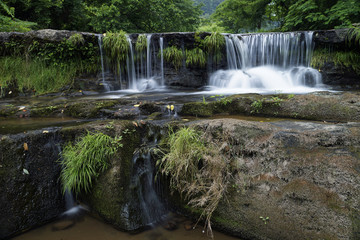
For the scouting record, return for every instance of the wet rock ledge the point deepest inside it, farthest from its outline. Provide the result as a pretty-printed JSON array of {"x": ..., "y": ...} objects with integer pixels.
[{"x": 303, "y": 176}]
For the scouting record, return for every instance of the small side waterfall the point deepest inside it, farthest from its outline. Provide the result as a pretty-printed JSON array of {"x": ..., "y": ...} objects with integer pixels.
[
  {"x": 162, "y": 60},
  {"x": 106, "y": 86},
  {"x": 268, "y": 62},
  {"x": 142, "y": 69},
  {"x": 142, "y": 182}
]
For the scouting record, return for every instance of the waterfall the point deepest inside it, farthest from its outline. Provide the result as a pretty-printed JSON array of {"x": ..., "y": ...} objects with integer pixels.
[
  {"x": 268, "y": 62},
  {"x": 106, "y": 86},
  {"x": 162, "y": 60},
  {"x": 144, "y": 189},
  {"x": 148, "y": 57}
]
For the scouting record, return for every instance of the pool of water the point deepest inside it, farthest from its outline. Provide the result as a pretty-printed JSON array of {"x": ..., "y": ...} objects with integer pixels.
[
  {"x": 90, "y": 228},
  {"x": 18, "y": 125}
]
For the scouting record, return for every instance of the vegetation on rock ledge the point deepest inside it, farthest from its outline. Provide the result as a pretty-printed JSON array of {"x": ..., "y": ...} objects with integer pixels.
[
  {"x": 197, "y": 169},
  {"x": 85, "y": 160}
]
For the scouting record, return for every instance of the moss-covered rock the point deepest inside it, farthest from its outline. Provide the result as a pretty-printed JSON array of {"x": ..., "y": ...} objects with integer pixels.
[
  {"x": 322, "y": 106},
  {"x": 290, "y": 180}
]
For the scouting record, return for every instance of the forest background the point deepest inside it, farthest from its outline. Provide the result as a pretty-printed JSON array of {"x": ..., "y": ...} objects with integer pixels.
[{"x": 140, "y": 16}]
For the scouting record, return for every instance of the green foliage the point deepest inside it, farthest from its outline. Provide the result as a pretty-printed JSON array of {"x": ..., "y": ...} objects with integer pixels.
[
  {"x": 257, "y": 105},
  {"x": 214, "y": 44},
  {"x": 353, "y": 37},
  {"x": 141, "y": 43},
  {"x": 8, "y": 24},
  {"x": 116, "y": 46},
  {"x": 342, "y": 59},
  {"x": 83, "y": 161},
  {"x": 9, "y": 11},
  {"x": 76, "y": 39},
  {"x": 241, "y": 15},
  {"x": 195, "y": 57},
  {"x": 144, "y": 15},
  {"x": 34, "y": 76},
  {"x": 54, "y": 14},
  {"x": 276, "y": 100},
  {"x": 208, "y": 6},
  {"x": 174, "y": 55},
  {"x": 321, "y": 14},
  {"x": 207, "y": 25},
  {"x": 196, "y": 169}
]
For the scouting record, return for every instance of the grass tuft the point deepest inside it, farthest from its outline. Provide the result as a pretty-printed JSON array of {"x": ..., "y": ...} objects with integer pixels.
[
  {"x": 76, "y": 39},
  {"x": 213, "y": 44},
  {"x": 342, "y": 59},
  {"x": 195, "y": 57},
  {"x": 141, "y": 43},
  {"x": 34, "y": 75},
  {"x": 83, "y": 161},
  {"x": 174, "y": 55},
  {"x": 196, "y": 169},
  {"x": 116, "y": 46}
]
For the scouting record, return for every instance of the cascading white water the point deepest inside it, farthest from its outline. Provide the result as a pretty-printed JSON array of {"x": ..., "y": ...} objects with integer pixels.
[
  {"x": 268, "y": 62},
  {"x": 106, "y": 86},
  {"x": 162, "y": 60}
]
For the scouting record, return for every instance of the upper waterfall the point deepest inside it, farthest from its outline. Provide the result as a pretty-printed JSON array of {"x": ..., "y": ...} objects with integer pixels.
[{"x": 268, "y": 62}]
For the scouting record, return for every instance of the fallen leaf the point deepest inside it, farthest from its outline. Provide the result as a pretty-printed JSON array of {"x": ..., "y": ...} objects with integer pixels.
[
  {"x": 21, "y": 108},
  {"x": 172, "y": 107},
  {"x": 25, "y": 171},
  {"x": 135, "y": 124},
  {"x": 45, "y": 131},
  {"x": 26, "y": 147},
  {"x": 136, "y": 105}
]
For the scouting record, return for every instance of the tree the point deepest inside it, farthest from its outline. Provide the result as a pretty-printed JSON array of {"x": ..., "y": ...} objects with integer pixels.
[
  {"x": 145, "y": 15},
  {"x": 8, "y": 22},
  {"x": 208, "y": 6},
  {"x": 321, "y": 14},
  {"x": 241, "y": 15}
]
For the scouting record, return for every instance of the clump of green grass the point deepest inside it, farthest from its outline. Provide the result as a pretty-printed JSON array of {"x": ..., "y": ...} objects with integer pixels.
[
  {"x": 174, "y": 55},
  {"x": 141, "y": 43},
  {"x": 342, "y": 59},
  {"x": 196, "y": 169},
  {"x": 34, "y": 75},
  {"x": 195, "y": 57},
  {"x": 83, "y": 161},
  {"x": 353, "y": 37},
  {"x": 116, "y": 45},
  {"x": 213, "y": 44},
  {"x": 76, "y": 39}
]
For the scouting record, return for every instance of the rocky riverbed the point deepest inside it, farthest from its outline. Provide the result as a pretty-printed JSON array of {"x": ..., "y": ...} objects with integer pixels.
[{"x": 302, "y": 177}]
